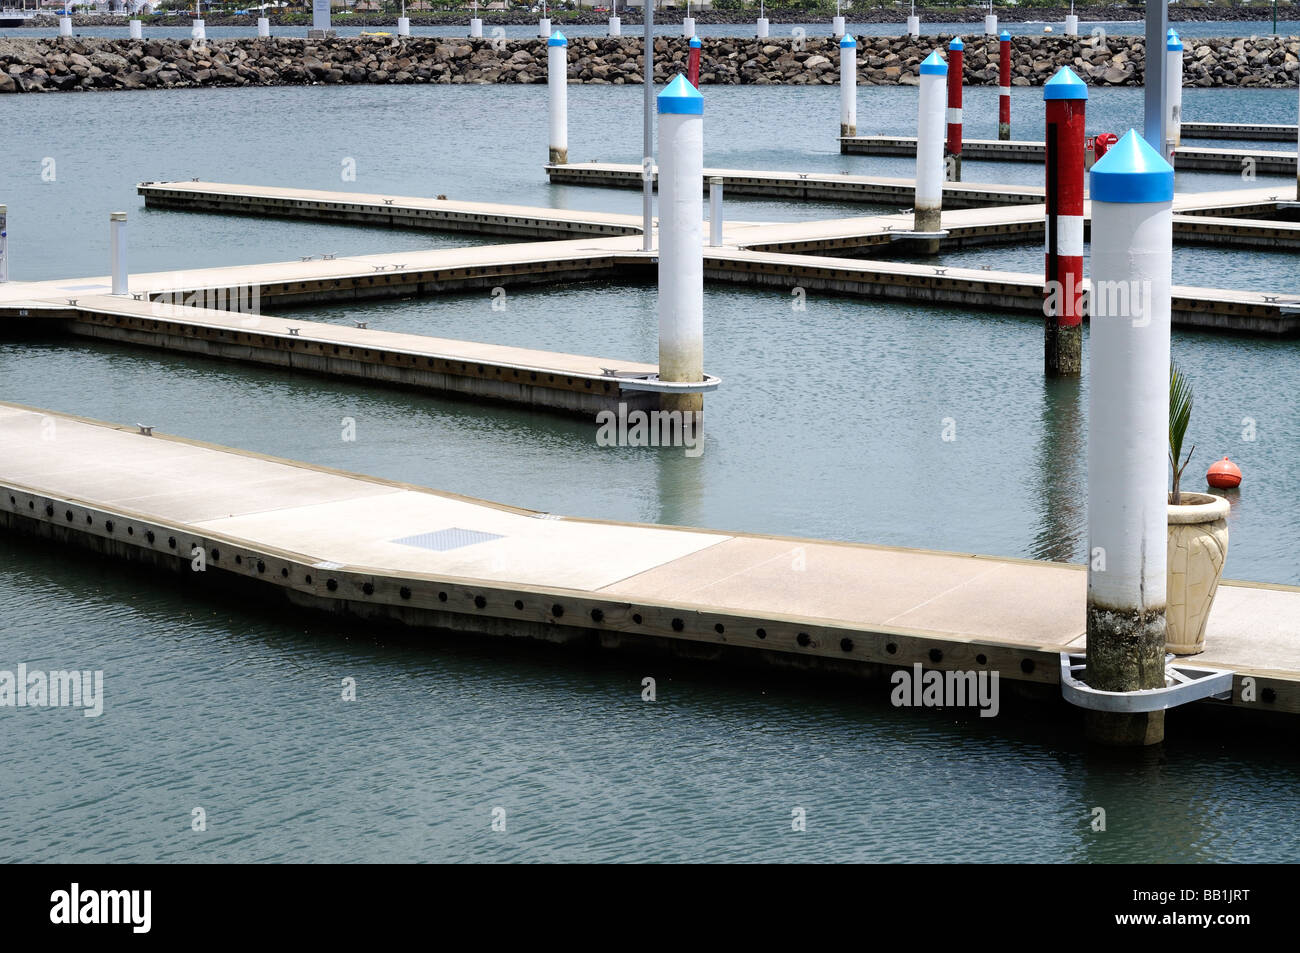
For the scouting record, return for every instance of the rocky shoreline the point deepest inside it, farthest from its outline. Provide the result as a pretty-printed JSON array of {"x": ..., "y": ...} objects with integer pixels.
[
  {"x": 82, "y": 64},
  {"x": 740, "y": 18}
]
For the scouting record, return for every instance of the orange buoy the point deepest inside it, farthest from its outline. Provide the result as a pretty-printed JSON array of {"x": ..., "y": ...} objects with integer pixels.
[{"x": 1223, "y": 474}]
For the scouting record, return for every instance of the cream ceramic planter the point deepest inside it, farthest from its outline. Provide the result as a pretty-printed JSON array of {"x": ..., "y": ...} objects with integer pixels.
[{"x": 1198, "y": 545}]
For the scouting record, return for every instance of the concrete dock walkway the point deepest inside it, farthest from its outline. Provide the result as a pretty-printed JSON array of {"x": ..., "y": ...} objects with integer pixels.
[{"x": 379, "y": 549}]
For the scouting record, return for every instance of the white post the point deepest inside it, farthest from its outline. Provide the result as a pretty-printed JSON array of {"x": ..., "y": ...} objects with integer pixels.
[
  {"x": 990, "y": 25},
  {"x": 1071, "y": 25},
  {"x": 1297, "y": 168},
  {"x": 4, "y": 243},
  {"x": 476, "y": 27},
  {"x": 931, "y": 113},
  {"x": 837, "y": 23},
  {"x": 681, "y": 240},
  {"x": 544, "y": 27},
  {"x": 117, "y": 250},
  {"x": 136, "y": 29},
  {"x": 762, "y": 21},
  {"x": 65, "y": 26},
  {"x": 688, "y": 23},
  {"x": 557, "y": 81},
  {"x": 403, "y": 26},
  {"x": 1174, "y": 81},
  {"x": 263, "y": 26},
  {"x": 615, "y": 26},
  {"x": 320, "y": 15},
  {"x": 848, "y": 87},
  {"x": 1132, "y": 189},
  {"x": 715, "y": 210},
  {"x": 913, "y": 24},
  {"x": 198, "y": 30}
]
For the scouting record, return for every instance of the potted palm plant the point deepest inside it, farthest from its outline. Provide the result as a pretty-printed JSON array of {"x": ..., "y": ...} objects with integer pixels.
[{"x": 1198, "y": 537}]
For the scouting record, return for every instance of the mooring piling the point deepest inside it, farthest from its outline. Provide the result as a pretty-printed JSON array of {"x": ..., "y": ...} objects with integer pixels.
[
  {"x": 952, "y": 149},
  {"x": 1132, "y": 189},
  {"x": 65, "y": 26},
  {"x": 715, "y": 210},
  {"x": 263, "y": 27},
  {"x": 135, "y": 29},
  {"x": 615, "y": 26},
  {"x": 693, "y": 62},
  {"x": 117, "y": 251},
  {"x": 928, "y": 203},
  {"x": 199, "y": 29},
  {"x": 4, "y": 243},
  {"x": 681, "y": 239},
  {"x": 1066, "y": 98},
  {"x": 848, "y": 86},
  {"x": 1004, "y": 86},
  {"x": 1174, "y": 96},
  {"x": 557, "y": 81}
]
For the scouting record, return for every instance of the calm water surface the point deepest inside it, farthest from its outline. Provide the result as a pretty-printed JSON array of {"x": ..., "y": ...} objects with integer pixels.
[{"x": 828, "y": 426}]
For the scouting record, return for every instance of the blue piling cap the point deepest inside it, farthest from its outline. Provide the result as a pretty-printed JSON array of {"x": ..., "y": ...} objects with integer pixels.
[
  {"x": 1065, "y": 85},
  {"x": 956, "y": 44},
  {"x": 1172, "y": 42},
  {"x": 1004, "y": 36},
  {"x": 848, "y": 40},
  {"x": 557, "y": 39},
  {"x": 1131, "y": 172},
  {"x": 933, "y": 65},
  {"x": 681, "y": 98},
  {"x": 695, "y": 43}
]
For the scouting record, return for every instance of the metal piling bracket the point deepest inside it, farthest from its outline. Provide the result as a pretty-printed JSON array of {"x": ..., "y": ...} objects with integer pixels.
[{"x": 1183, "y": 684}]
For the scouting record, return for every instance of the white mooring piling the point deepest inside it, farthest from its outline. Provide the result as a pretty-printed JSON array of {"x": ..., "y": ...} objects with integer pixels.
[
  {"x": 688, "y": 27},
  {"x": 557, "y": 82},
  {"x": 1071, "y": 25},
  {"x": 544, "y": 27},
  {"x": 615, "y": 26},
  {"x": 761, "y": 26},
  {"x": 715, "y": 210},
  {"x": 1132, "y": 189},
  {"x": 476, "y": 28},
  {"x": 198, "y": 30},
  {"x": 681, "y": 240},
  {"x": 263, "y": 27},
  {"x": 135, "y": 29},
  {"x": 65, "y": 26},
  {"x": 931, "y": 112},
  {"x": 320, "y": 17},
  {"x": 403, "y": 26},
  {"x": 117, "y": 251},
  {"x": 848, "y": 86},
  {"x": 1174, "y": 87},
  {"x": 990, "y": 25},
  {"x": 913, "y": 23},
  {"x": 837, "y": 22}
]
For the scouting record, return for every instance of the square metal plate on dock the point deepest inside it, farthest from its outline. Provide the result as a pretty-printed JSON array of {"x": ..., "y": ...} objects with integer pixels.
[{"x": 445, "y": 539}]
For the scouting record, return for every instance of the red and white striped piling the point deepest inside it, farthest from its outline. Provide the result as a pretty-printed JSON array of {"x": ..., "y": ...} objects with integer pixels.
[
  {"x": 693, "y": 62},
  {"x": 1065, "y": 96},
  {"x": 1004, "y": 85},
  {"x": 952, "y": 149}
]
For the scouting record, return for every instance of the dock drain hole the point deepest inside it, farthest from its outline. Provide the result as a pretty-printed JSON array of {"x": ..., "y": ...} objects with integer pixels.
[
  {"x": 284, "y": 573},
  {"x": 1027, "y": 665},
  {"x": 636, "y": 617},
  {"x": 239, "y": 560},
  {"x": 307, "y": 579},
  {"x": 171, "y": 542},
  {"x": 719, "y": 628},
  {"x": 109, "y": 526},
  {"x": 330, "y": 584},
  {"x": 846, "y": 645},
  {"x": 678, "y": 625},
  {"x": 368, "y": 588},
  {"x": 804, "y": 640},
  {"x": 597, "y": 615},
  {"x": 892, "y": 648},
  {"x": 982, "y": 659},
  {"x": 261, "y": 566},
  {"x": 49, "y": 509},
  {"x": 149, "y": 536},
  {"x": 130, "y": 531},
  {"x": 1268, "y": 695},
  {"x": 90, "y": 520},
  {"x": 761, "y": 633},
  {"x": 936, "y": 655},
  {"x": 519, "y": 604},
  {"x": 68, "y": 516},
  {"x": 404, "y": 592},
  {"x": 13, "y": 501},
  {"x": 442, "y": 597},
  {"x": 557, "y": 610},
  {"x": 480, "y": 602}
]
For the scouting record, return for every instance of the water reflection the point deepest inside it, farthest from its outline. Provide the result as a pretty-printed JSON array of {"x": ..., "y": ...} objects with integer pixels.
[{"x": 1062, "y": 490}]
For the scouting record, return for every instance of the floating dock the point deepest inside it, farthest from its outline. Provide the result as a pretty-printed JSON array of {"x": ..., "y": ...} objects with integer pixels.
[
  {"x": 805, "y": 186},
  {"x": 378, "y": 549},
  {"x": 1261, "y": 132},
  {"x": 1262, "y": 161}
]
